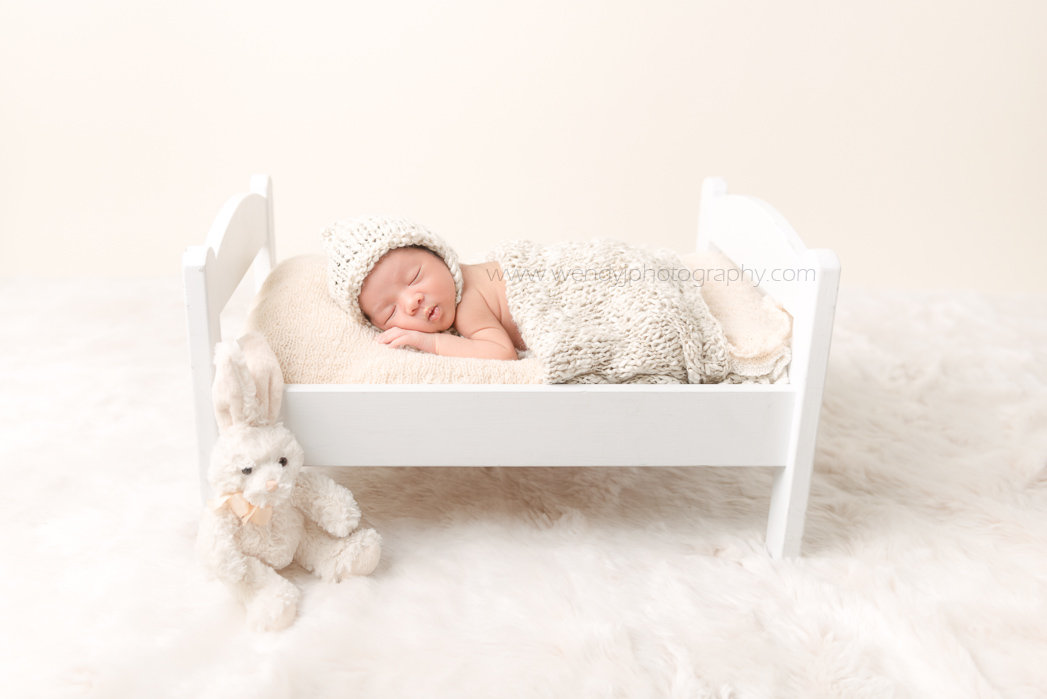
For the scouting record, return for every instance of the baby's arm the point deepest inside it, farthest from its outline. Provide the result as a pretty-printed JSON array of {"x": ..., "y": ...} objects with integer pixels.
[{"x": 482, "y": 336}]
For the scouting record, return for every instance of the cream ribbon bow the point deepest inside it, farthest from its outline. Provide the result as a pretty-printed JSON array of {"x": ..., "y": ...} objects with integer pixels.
[{"x": 255, "y": 514}]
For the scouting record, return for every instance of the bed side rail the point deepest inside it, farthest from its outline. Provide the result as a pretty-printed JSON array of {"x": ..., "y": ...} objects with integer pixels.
[{"x": 240, "y": 238}]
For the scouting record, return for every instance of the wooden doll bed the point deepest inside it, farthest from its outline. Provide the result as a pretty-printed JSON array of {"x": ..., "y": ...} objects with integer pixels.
[{"x": 555, "y": 425}]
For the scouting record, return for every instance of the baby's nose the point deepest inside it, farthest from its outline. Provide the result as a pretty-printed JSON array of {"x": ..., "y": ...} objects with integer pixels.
[{"x": 414, "y": 302}]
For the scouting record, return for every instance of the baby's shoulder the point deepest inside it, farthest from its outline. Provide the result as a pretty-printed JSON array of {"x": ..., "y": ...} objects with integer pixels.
[
  {"x": 481, "y": 281},
  {"x": 481, "y": 274},
  {"x": 479, "y": 291}
]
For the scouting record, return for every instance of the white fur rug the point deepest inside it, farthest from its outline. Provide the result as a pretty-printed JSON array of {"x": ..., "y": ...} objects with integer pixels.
[{"x": 925, "y": 572}]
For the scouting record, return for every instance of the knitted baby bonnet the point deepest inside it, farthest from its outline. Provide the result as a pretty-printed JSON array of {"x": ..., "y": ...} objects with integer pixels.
[{"x": 354, "y": 246}]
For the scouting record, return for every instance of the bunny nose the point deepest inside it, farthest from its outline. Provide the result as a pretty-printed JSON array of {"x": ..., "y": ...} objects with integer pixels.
[{"x": 271, "y": 485}]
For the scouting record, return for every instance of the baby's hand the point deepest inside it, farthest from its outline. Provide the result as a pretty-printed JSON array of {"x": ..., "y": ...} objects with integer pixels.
[{"x": 398, "y": 337}]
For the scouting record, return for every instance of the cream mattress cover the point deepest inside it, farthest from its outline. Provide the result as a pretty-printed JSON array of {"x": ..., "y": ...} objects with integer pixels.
[{"x": 316, "y": 342}]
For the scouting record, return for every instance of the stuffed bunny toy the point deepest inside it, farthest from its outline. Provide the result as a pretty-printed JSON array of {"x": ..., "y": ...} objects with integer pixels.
[{"x": 268, "y": 511}]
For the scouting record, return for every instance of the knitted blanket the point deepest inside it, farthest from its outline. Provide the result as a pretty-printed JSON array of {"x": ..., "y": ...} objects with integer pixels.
[{"x": 606, "y": 312}]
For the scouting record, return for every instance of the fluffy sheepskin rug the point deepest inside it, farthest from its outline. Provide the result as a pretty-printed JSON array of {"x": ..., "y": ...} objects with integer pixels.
[{"x": 924, "y": 575}]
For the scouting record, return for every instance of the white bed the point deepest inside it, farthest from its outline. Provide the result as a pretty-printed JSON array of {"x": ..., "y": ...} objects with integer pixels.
[{"x": 563, "y": 425}]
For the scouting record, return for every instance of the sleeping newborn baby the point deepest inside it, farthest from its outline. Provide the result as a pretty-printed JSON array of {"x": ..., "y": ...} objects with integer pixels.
[
  {"x": 413, "y": 289},
  {"x": 410, "y": 295},
  {"x": 599, "y": 311}
]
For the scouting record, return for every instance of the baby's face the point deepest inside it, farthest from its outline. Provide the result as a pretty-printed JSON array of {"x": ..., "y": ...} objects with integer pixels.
[{"x": 409, "y": 288}]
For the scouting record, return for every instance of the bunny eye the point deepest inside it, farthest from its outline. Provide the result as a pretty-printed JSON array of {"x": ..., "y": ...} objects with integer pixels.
[
  {"x": 246, "y": 471},
  {"x": 283, "y": 460}
]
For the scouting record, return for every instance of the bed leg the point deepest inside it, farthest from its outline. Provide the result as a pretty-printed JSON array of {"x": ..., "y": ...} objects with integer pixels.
[
  {"x": 812, "y": 336},
  {"x": 792, "y": 483},
  {"x": 788, "y": 509}
]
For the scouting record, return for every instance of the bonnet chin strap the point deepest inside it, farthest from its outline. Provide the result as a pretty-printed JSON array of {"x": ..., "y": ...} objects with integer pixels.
[{"x": 255, "y": 514}]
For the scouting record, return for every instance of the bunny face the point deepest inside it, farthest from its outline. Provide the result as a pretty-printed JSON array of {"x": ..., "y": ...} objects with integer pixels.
[{"x": 261, "y": 461}]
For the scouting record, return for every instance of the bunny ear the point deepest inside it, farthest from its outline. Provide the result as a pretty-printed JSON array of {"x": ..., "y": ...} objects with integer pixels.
[
  {"x": 248, "y": 384},
  {"x": 233, "y": 392},
  {"x": 268, "y": 379}
]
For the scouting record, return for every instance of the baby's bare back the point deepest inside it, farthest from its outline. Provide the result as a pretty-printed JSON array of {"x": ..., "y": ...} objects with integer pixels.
[{"x": 483, "y": 291}]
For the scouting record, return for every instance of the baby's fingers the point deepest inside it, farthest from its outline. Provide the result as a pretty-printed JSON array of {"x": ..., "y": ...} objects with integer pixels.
[
  {"x": 404, "y": 340},
  {"x": 391, "y": 334}
]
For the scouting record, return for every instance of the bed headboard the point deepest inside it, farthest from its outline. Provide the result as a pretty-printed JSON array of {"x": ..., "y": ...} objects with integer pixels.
[{"x": 241, "y": 238}]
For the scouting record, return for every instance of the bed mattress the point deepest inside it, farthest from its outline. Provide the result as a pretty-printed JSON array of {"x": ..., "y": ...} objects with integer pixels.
[{"x": 316, "y": 342}]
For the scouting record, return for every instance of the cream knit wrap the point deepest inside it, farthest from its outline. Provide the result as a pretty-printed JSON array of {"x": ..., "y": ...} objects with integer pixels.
[{"x": 606, "y": 312}]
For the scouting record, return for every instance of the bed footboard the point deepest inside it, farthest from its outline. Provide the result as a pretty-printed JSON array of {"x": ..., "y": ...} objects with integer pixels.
[{"x": 805, "y": 281}]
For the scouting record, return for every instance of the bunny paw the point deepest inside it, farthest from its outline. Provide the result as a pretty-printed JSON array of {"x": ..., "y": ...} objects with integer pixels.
[
  {"x": 360, "y": 555},
  {"x": 274, "y": 607}
]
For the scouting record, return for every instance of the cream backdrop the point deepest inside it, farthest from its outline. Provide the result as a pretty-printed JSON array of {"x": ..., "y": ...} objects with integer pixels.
[{"x": 906, "y": 134}]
